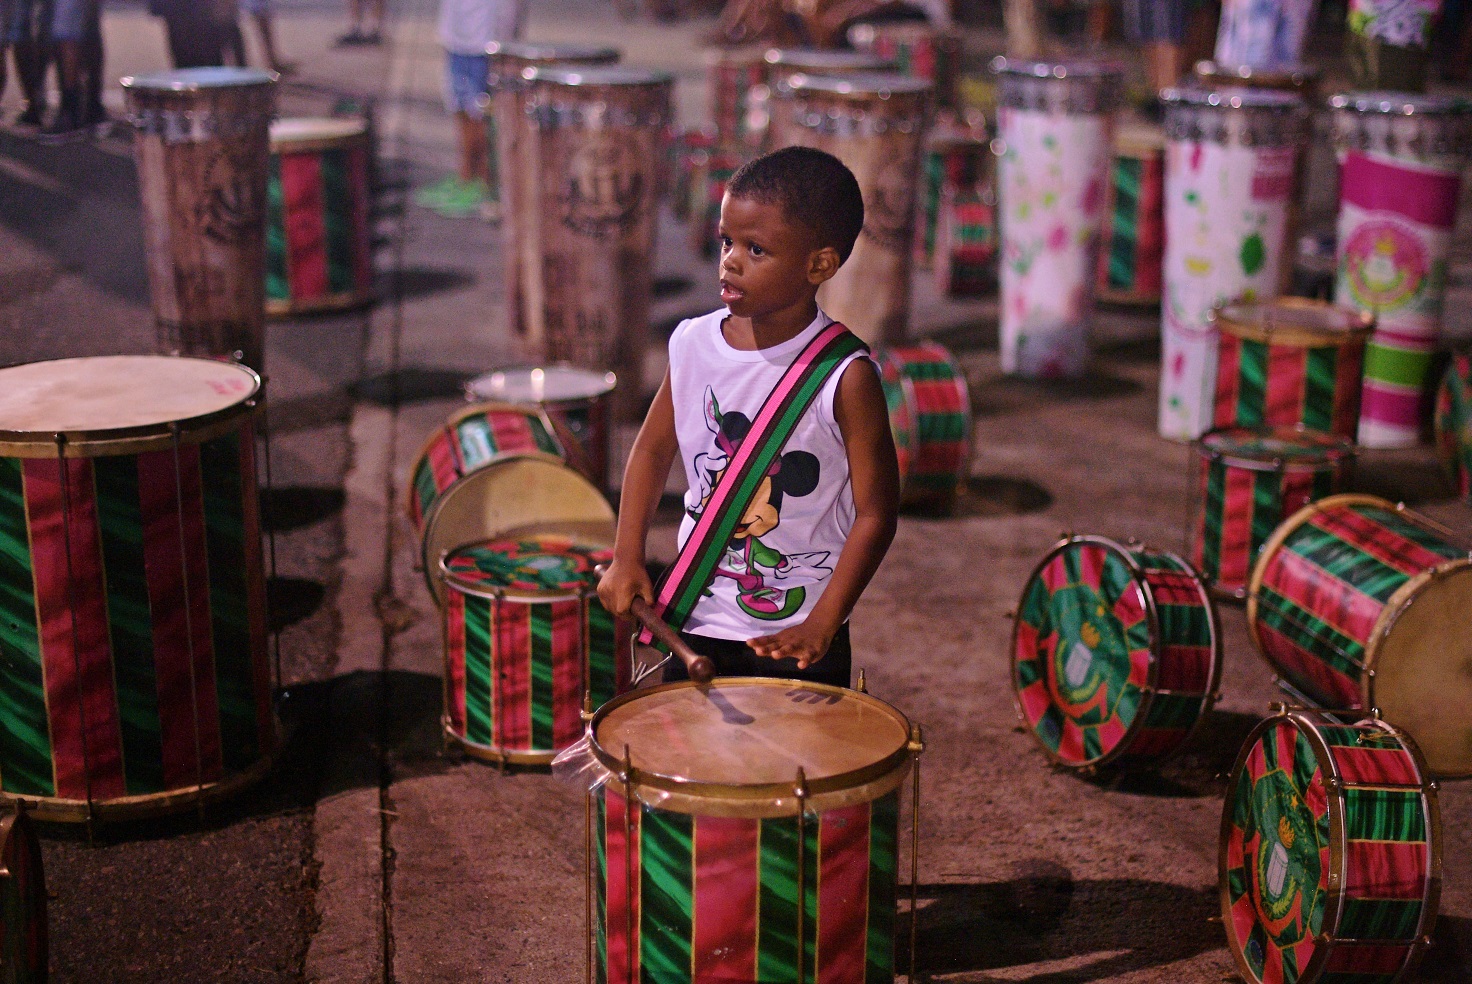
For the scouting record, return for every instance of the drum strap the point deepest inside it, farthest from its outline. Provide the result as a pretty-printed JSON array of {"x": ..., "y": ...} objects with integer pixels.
[{"x": 684, "y": 581}]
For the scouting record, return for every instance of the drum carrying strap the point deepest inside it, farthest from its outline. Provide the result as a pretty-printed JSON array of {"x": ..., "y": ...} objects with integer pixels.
[{"x": 686, "y": 579}]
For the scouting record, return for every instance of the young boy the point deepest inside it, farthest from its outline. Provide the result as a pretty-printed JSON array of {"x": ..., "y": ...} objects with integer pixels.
[{"x": 824, "y": 513}]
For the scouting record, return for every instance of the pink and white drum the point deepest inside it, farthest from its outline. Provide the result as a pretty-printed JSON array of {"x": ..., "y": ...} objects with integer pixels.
[
  {"x": 1229, "y": 179},
  {"x": 1055, "y": 128}
]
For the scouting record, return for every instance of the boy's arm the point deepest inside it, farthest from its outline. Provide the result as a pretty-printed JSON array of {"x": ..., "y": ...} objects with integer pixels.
[
  {"x": 863, "y": 419},
  {"x": 650, "y": 458}
]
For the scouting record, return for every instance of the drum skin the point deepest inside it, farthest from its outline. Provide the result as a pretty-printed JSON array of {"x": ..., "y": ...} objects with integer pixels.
[
  {"x": 1330, "y": 860},
  {"x": 526, "y": 640},
  {"x": 1116, "y": 653},
  {"x": 24, "y": 947},
  {"x": 135, "y": 676},
  {"x": 319, "y": 246},
  {"x": 930, "y": 417},
  {"x": 1454, "y": 423},
  {"x": 1353, "y": 584}
]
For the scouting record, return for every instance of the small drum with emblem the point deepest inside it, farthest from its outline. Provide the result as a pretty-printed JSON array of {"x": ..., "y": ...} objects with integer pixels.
[
  {"x": 876, "y": 125},
  {"x": 1133, "y": 233},
  {"x": 1290, "y": 361},
  {"x": 930, "y": 417},
  {"x": 1330, "y": 860},
  {"x": 132, "y": 587},
  {"x": 1116, "y": 653},
  {"x": 1454, "y": 423},
  {"x": 319, "y": 234},
  {"x": 1247, "y": 481},
  {"x": 576, "y": 401},
  {"x": 1359, "y": 604},
  {"x": 527, "y": 643},
  {"x": 746, "y": 832},
  {"x": 24, "y": 944}
]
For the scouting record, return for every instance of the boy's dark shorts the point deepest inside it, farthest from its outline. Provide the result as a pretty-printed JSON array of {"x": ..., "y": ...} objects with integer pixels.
[{"x": 735, "y": 658}]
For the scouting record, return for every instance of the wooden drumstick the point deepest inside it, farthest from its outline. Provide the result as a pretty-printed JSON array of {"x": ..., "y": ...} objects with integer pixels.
[{"x": 700, "y": 668}]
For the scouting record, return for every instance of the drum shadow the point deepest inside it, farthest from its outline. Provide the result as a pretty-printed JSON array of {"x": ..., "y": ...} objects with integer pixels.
[
  {"x": 308, "y": 412},
  {"x": 990, "y": 496},
  {"x": 291, "y": 507},
  {"x": 1043, "y": 915},
  {"x": 416, "y": 282},
  {"x": 412, "y": 385},
  {"x": 1131, "y": 350},
  {"x": 1198, "y": 770},
  {"x": 290, "y": 600},
  {"x": 1004, "y": 394},
  {"x": 978, "y": 335},
  {"x": 1450, "y": 958},
  {"x": 1401, "y": 477}
]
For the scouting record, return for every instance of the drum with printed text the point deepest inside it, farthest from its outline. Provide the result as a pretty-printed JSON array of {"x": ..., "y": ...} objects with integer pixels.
[
  {"x": 1116, "y": 653},
  {"x": 930, "y": 417}
]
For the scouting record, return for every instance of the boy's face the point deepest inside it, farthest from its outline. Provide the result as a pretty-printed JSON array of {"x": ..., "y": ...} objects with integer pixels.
[{"x": 769, "y": 265}]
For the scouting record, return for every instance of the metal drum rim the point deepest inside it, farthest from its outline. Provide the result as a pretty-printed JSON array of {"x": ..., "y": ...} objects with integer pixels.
[
  {"x": 596, "y": 76},
  {"x": 860, "y": 85},
  {"x": 554, "y": 52},
  {"x": 1060, "y": 70},
  {"x": 192, "y": 80},
  {"x": 1332, "y": 453},
  {"x": 1390, "y": 102},
  {"x": 1305, "y": 336},
  {"x": 1226, "y": 98},
  {"x": 477, "y": 589}
]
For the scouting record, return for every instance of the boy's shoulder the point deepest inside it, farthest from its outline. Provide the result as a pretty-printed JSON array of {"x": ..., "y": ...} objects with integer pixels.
[{"x": 692, "y": 329}]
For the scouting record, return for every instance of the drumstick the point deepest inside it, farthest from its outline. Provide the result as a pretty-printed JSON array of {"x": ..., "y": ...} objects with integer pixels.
[{"x": 700, "y": 668}]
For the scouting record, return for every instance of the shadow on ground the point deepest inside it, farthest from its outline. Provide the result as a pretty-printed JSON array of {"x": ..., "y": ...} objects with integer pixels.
[
  {"x": 292, "y": 507},
  {"x": 415, "y": 385},
  {"x": 1450, "y": 958}
]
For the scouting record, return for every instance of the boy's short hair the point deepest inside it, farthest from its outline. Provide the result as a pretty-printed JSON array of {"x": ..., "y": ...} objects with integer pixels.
[{"x": 813, "y": 188}]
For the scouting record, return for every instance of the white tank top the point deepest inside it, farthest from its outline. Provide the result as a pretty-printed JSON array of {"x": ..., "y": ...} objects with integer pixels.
[{"x": 776, "y": 566}]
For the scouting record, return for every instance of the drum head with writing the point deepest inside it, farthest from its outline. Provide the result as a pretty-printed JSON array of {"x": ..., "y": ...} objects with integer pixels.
[{"x": 539, "y": 567}]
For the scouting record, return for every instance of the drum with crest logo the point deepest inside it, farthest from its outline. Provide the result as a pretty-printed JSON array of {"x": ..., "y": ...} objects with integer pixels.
[
  {"x": 876, "y": 125},
  {"x": 202, "y": 144}
]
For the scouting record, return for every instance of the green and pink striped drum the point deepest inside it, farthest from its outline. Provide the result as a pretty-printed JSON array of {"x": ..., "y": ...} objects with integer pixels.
[
  {"x": 24, "y": 948},
  {"x": 1250, "y": 479},
  {"x": 746, "y": 831},
  {"x": 930, "y": 417},
  {"x": 1360, "y": 604},
  {"x": 133, "y": 669},
  {"x": 526, "y": 643},
  {"x": 1116, "y": 653},
  {"x": 319, "y": 230},
  {"x": 1454, "y": 423},
  {"x": 1330, "y": 860}
]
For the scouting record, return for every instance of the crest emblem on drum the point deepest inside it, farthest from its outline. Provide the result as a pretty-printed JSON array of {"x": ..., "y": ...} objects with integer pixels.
[
  {"x": 235, "y": 201},
  {"x": 888, "y": 207},
  {"x": 603, "y": 190},
  {"x": 1385, "y": 265}
]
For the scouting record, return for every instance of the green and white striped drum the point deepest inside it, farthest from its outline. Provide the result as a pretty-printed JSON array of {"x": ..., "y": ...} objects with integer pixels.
[
  {"x": 930, "y": 417},
  {"x": 526, "y": 642},
  {"x": 1454, "y": 423},
  {"x": 746, "y": 832},
  {"x": 1248, "y": 480},
  {"x": 134, "y": 677},
  {"x": 24, "y": 948},
  {"x": 1361, "y": 604},
  {"x": 1330, "y": 862},
  {"x": 1116, "y": 653}
]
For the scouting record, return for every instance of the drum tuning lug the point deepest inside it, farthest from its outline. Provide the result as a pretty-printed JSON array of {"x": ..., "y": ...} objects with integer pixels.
[
  {"x": 1277, "y": 707},
  {"x": 800, "y": 786},
  {"x": 1434, "y": 786},
  {"x": 1213, "y": 919},
  {"x": 587, "y": 714},
  {"x": 863, "y": 685},
  {"x": 917, "y": 740}
]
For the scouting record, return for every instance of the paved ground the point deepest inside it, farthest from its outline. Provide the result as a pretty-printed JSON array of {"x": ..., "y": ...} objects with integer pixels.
[{"x": 371, "y": 856}]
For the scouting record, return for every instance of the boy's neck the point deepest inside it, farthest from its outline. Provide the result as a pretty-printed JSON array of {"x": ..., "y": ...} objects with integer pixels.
[{"x": 753, "y": 334}]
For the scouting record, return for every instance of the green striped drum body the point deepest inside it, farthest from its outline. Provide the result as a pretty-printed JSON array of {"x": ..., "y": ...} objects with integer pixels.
[
  {"x": 1116, "y": 653},
  {"x": 936, "y": 427},
  {"x": 1133, "y": 233},
  {"x": 526, "y": 642},
  {"x": 1454, "y": 423},
  {"x": 1330, "y": 852},
  {"x": 751, "y": 835},
  {"x": 24, "y": 948},
  {"x": 957, "y": 164},
  {"x": 1248, "y": 481}
]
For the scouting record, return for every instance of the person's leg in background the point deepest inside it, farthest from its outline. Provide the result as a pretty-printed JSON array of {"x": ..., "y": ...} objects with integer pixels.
[
  {"x": 30, "y": 25},
  {"x": 93, "y": 57},
  {"x": 69, "y": 20},
  {"x": 366, "y": 19},
  {"x": 466, "y": 193},
  {"x": 259, "y": 12}
]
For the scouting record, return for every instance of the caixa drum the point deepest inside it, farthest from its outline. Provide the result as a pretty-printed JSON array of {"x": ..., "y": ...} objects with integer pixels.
[
  {"x": 916, "y": 49},
  {"x": 1330, "y": 859},
  {"x": 1133, "y": 233},
  {"x": 1359, "y": 604},
  {"x": 575, "y": 400},
  {"x": 24, "y": 932},
  {"x": 739, "y": 97},
  {"x": 1116, "y": 653},
  {"x": 134, "y": 589},
  {"x": 930, "y": 417}
]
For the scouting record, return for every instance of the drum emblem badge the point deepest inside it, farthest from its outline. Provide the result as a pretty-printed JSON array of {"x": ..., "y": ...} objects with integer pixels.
[
  {"x": 1385, "y": 265},
  {"x": 603, "y": 190},
  {"x": 234, "y": 202},
  {"x": 887, "y": 218}
]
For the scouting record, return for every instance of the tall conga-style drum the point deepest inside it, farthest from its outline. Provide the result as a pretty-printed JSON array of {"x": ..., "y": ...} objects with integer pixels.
[
  {"x": 740, "y": 101},
  {"x": 1134, "y": 218},
  {"x": 1229, "y": 177},
  {"x": 202, "y": 145},
  {"x": 576, "y": 400},
  {"x": 1246, "y": 481},
  {"x": 1330, "y": 859},
  {"x": 918, "y": 49},
  {"x": 1454, "y": 423},
  {"x": 930, "y": 417},
  {"x": 319, "y": 230},
  {"x": 527, "y": 644},
  {"x": 1400, "y": 181},
  {"x": 1055, "y": 126},
  {"x": 595, "y": 154},
  {"x": 1116, "y": 653},
  {"x": 1359, "y": 604},
  {"x": 24, "y": 932},
  {"x": 876, "y": 125},
  {"x": 134, "y": 606},
  {"x": 747, "y": 831},
  {"x": 517, "y": 171},
  {"x": 1290, "y": 361}
]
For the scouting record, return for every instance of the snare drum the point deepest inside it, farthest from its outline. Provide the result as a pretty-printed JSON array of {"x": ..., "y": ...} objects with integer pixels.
[
  {"x": 1361, "y": 604},
  {"x": 876, "y": 125},
  {"x": 930, "y": 416},
  {"x": 739, "y": 97},
  {"x": 134, "y": 598},
  {"x": 1454, "y": 423},
  {"x": 966, "y": 246},
  {"x": 957, "y": 171},
  {"x": 575, "y": 400},
  {"x": 746, "y": 832},
  {"x": 24, "y": 945},
  {"x": 1229, "y": 177},
  {"x": 1246, "y": 481},
  {"x": 1330, "y": 862},
  {"x": 526, "y": 641},
  {"x": 202, "y": 144},
  {"x": 1116, "y": 653},
  {"x": 319, "y": 237},
  {"x": 916, "y": 49},
  {"x": 1290, "y": 361},
  {"x": 1054, "y": 128},
  {"x": 1134, "y": 226}
]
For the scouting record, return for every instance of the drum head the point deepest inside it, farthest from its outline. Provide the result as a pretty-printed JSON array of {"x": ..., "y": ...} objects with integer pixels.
[
  {"x": 866, "y": 85},
  {"x": 117, "y": 395},
  {"x": 314, "y": 129},
  {"x": 553, "y": 384},
  {"x": 826, "y": 61},
  {"x": 544, "y": 567},
  {"x": 746, "y": 738},
  {"x": 1289, "y": 449},
  {"x": 194, "y": 79},
  {"x": 513, "y": 497},
  {"x": 1294, "y": 321},
  {"x": 1423, "y": 667}
]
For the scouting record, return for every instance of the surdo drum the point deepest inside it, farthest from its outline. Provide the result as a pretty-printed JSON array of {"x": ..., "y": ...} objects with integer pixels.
[
  {"x": 575, "y": 400},
  {"x": 919, "y": 50},
  {"x": 136, "y": 673},
  {"x": 202, "y": 144}
]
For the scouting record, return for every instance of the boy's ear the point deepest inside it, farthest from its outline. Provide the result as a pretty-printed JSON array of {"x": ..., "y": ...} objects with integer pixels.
[{"x": 823, "y": 264}]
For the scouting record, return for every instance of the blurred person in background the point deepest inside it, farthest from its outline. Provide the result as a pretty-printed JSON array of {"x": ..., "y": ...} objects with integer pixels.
[
  {"x": 25, "y": 29},
  {"x": 364, "y": 12}
]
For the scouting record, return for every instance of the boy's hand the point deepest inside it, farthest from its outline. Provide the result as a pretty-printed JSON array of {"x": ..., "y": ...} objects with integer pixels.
[
  {"x": 807, "y": 643},
  {"x": 621, "y": 584}
]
